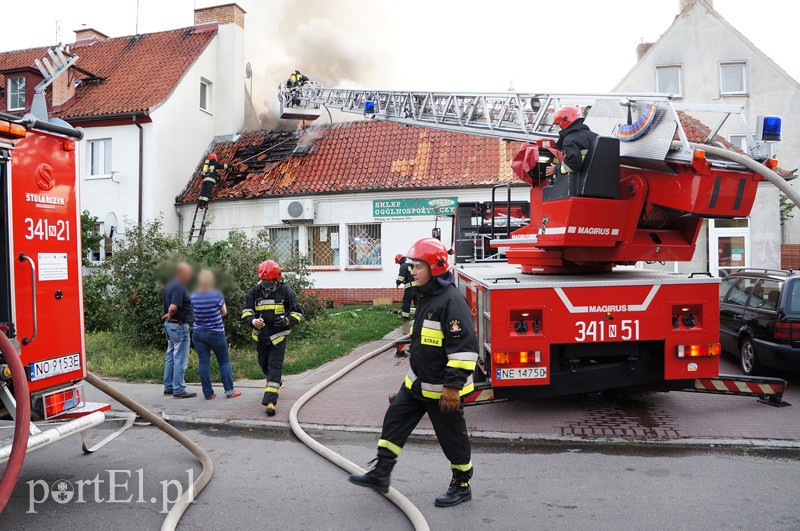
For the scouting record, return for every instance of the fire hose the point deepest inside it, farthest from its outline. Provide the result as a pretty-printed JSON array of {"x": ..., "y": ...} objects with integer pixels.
[
  {"x": 22, "y": 420},
  {"x": 174, "y": 515},
  {"x": 403, "y": 503}
]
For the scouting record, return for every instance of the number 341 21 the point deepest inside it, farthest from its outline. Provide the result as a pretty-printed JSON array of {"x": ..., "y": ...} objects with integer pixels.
[{"x": 42, "y": 229}]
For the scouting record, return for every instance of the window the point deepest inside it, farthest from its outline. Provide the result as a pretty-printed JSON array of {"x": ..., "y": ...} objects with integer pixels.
[
  {"x": 741, "y": 291},
  {"x": 724, "y": 286},
  {"x": 668, "y": 80},
  {"x": 732, "y": 79},
  {"x": 16, "y": 93},
  {"x": 740, "y": 141},
  {"x": 793, "y": 293},
  {"x": 766, "y": 295},
  {"x": 100, "y": 158},
  {"x": 284, "y": 242},
  {"x": 323, "y": 245},
  {"x": 364, "y": 244},
  {"x": 205, "y": 95},
  {"x": 104, "y": 248}
]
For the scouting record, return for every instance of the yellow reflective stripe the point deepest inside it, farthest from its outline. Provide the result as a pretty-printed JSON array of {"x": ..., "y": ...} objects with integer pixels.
[
  {"x": 467, "y": 389},
  {"x": 247, "y": 313},
  {"x": 411, "y": 329},
  {"x": 254, "y": 336},
  {"x": 271, "y": 389},
  {"x": 278, "y": 340},
  {"x": 267, "y": 307},
  {"x": 432, "y": 394},
  {"x": 389, "y": 445},
  {"x": 429, "y": 336},
  {"x": 409, "y": 382},
  {"x": 462, "y": 364},
  {"x": 462, "y": 468},
  {"x": 400, "y": 279},
  {"x": 297, "y": 315},
  {"x": 210, "y": 180}
]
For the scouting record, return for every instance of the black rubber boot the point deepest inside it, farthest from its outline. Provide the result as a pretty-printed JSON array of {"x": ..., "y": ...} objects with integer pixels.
[
  {"x": 270, "y": 409},
  {"x": 377, "y": 478},
  {"x": 459, "y": 490}
]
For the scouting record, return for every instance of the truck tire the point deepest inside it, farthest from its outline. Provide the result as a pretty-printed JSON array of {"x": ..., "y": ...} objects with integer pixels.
[{"x": 748, "y": 357}]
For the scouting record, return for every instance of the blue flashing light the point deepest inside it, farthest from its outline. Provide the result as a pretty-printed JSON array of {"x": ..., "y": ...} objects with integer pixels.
[
  {"x": 369, "y": 107},
  {"x": 769, "y": 128}
]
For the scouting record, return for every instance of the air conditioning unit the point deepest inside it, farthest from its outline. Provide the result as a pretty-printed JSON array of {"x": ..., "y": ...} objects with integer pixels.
[{"x": 296, "y": 210}]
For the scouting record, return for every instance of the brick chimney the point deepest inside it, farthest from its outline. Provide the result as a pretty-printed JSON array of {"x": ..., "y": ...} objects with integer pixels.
[
  {"x": 683, "y": 4},
  {"x": 89, "y": 34},
  {"x": 63, "y": 87},
  {"x": 223, "y": 14},
  {"x": 642, "y": 48}
]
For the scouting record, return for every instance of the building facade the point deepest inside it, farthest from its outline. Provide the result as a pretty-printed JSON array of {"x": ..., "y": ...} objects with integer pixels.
[{"x": 701, "y": 58}]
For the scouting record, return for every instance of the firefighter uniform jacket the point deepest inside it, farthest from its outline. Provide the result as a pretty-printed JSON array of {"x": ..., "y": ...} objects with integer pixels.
[
  {"x": 443, "y": 348},
  {"x": 404, "y": 276},
  {"x": 574, "y": 141},
  {"x": 210, "y": 169},
  {"x": 272, "y": 307}
]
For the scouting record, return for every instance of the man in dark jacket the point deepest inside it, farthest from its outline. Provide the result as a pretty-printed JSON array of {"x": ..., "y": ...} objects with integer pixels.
[
  {"x": 405, "y": 280},
  {"x": 211, "y": 178},
  {"x": 443, "y": 359},
  {"x": 271, "y": 311},
  {"x": 574, "y": 141}
]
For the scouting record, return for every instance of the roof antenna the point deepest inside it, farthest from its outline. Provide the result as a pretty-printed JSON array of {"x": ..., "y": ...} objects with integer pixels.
[{"x": 137, "y": 17}]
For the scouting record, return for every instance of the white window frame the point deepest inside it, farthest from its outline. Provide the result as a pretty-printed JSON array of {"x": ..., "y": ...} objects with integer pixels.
[
  {"x": 108, "y": 170},
  {"x": 715, "y": 233},
  {"x": 739, "y": 140},
  {"x": 680, "y": 78},
  {"x": 744, "y": 92},
  {"x": 366, "y": 267},
  {"x": 101, "y": 247},
  {"x": 337, "y": 251},
  {"x": 24, "y": 94},
  {"x": 209, "y": 86}
]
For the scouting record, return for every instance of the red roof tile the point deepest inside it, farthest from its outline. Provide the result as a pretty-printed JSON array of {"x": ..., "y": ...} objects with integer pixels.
[{"x": 138, "y": 72}]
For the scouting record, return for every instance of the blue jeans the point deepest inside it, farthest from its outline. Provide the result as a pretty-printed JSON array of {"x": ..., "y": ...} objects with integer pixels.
[
  {"x": 177, "y": 357},
  {"x": 204, "y": 342}
]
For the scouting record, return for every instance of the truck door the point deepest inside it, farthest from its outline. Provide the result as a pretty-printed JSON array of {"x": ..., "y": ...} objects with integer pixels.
[
  {"x": 6, "y": 321},
  {"x": 45, "y": 253}
]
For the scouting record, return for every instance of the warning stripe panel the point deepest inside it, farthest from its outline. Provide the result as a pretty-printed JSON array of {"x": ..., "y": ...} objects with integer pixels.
[{"x": 738, "y": 386}]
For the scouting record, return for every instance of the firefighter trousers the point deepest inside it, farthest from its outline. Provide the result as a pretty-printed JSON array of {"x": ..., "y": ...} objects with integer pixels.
[
  {"x": 270, "y": 358},
  {"x": 205, "y": 193},
  {"x": 404, "y": 414},
  {"x": 408, "y": 299}
]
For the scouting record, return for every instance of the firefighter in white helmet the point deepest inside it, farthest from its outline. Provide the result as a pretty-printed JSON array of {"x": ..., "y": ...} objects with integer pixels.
[{"x": 443, "y": 359}]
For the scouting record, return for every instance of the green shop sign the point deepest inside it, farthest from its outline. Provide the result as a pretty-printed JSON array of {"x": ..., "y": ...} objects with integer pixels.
[{"x": 406, "y": 209}]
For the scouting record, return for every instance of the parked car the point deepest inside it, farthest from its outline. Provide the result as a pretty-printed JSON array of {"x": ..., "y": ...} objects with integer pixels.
[{"x": 760, "y": 319}]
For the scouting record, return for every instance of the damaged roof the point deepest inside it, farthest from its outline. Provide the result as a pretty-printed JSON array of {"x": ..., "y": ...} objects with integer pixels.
[
  {"x": 356, "y": 157},
  {"x": 122, "y": 75}
]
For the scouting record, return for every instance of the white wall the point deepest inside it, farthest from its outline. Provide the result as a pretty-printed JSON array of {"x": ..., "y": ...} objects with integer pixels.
[
  {"x": 341, "y": 209},
  {"x": 699, "y": 42}
]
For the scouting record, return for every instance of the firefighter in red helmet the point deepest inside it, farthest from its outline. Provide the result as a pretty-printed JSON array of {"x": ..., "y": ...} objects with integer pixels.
[
  {"x": 211, "y": 178},
  {"x": 574, "y": 141},
  {"x": 271, "y": 311},
  {"x": 406, "y": 281},
  {"x": 443, "y": 359}
]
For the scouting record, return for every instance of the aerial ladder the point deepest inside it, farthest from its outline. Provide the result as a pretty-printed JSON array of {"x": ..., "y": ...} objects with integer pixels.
[{"x": 562, "y": 317}]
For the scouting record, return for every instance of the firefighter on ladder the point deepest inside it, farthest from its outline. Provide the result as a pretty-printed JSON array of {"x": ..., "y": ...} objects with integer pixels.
[
  {"x": 406, "y": 280},
  {"x": 574, "y": 141},
  {"x": 294, "y": 83},
  {"x": 443, "y": 360},
  {"x": 271, "y": 311},
  {"x": 211, "y": 178}
]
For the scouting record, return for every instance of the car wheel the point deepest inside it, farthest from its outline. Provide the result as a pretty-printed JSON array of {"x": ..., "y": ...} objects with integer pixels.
[{"x": 748, "y": 357}]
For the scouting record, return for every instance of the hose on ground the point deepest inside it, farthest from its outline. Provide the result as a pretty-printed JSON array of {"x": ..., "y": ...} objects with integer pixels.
[
  {"x": 403, "y": 503},
  {"x": 750, "y": 164},
  {"x": 22, "y": 419},
  {"x": 174, "y": 515}
]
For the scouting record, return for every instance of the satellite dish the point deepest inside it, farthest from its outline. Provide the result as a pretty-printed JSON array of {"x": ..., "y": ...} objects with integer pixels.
[
  {"x": 248, "y": 71},
  {"x": 110, "y": 225}
]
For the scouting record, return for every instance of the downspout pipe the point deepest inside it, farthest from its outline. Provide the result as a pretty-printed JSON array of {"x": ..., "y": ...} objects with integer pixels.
[{"x": 141, "y": 167}]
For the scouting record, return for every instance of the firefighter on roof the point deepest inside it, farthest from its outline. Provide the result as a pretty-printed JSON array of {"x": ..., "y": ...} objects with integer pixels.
[
  {"x": 210, "y": 178},
  {"x": 574, "y": 141},
  {"x": 406, "y": 280},
  {"x": 271, "y": 311},
  {"x": 443, "y": 360}
]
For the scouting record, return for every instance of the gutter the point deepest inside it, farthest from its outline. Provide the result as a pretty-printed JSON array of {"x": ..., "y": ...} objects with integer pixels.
[{"x": 141, "y": 166}]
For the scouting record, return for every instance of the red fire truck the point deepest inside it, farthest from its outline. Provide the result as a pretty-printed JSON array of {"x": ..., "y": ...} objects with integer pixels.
[{"x": 569, "y": 312}]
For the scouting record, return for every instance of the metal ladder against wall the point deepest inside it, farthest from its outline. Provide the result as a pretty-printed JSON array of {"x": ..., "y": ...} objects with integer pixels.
[{"x": 200, "y": 230}]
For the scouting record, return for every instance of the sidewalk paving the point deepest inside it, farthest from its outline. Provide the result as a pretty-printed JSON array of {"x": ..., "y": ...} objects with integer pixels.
[{"x": 359, "y": 400}]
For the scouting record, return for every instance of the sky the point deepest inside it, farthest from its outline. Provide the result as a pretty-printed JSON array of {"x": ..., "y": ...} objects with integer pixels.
[{"x": 469, "y": 45}]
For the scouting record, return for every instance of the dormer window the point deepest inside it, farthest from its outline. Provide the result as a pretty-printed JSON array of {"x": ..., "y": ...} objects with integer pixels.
[{"x": 16, "y": 93}]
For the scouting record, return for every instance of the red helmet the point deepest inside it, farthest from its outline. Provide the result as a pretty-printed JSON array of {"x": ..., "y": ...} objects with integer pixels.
[
  {"x": 269, "y": 270},
  {"x": 433, "y": 252},
  {"x": 398, "y": 258},
  {"x": 566, "y": 115},
  {"x": 212, "y": 156}
]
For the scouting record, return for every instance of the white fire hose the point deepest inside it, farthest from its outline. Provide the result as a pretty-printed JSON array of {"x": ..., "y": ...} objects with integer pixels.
[{"x": 403, "y": 503}]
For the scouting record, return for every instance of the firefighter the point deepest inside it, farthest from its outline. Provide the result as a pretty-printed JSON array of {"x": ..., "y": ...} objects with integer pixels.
[
  {"x": 406, "y": 280},
  {"x": 271, "y": 311},
  {"x": 210, "y": 178},
  {"x": 294, "y": 83},
  {"x": 574, "y": 141},
  {"x": 443, "y": 359}
]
